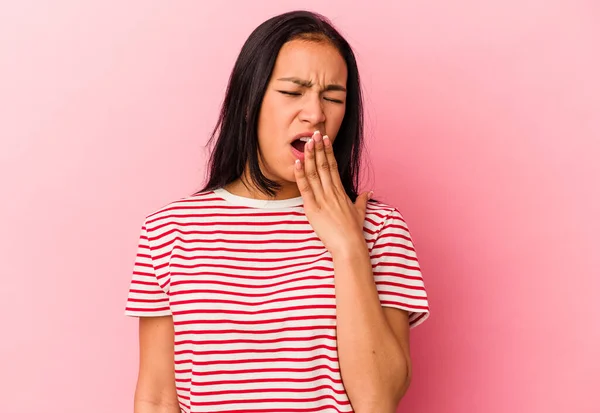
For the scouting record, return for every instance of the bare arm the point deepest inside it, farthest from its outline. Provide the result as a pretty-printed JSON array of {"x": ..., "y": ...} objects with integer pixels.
[
  {"x": 374, "y": 357},
  {"x": 155, "y": 391}
]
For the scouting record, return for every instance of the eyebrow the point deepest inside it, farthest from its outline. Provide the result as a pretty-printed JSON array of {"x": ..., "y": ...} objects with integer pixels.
[{"x": 306, "y": 83}]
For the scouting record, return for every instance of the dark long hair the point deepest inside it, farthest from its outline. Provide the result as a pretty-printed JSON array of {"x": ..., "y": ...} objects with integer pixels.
[{"x": 236, "y": 130}]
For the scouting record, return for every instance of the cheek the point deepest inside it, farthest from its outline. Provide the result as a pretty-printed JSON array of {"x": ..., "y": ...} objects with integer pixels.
[
  {"x": 265, "y": 124},
  {"x": 334, "y": 120},
  {"x": 272, "y": 134},
  {"x": 274, "y": 113}
]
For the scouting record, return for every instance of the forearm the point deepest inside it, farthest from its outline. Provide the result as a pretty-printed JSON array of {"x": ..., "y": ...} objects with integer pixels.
[
  {"x": 145, "y": 406},
  {"x": 373, "y": 365},
  {"x": 155, "y": 397}
]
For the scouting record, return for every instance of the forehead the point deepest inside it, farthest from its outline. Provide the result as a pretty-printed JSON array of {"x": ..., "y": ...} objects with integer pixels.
[{"x": 311, "y": 60}]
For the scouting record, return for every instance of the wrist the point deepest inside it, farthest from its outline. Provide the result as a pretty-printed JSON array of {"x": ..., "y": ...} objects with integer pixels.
[{"x": 352, "y": 249}]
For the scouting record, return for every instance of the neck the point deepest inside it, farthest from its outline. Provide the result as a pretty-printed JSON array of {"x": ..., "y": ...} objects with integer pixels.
[{"x": 244, "y": 187}]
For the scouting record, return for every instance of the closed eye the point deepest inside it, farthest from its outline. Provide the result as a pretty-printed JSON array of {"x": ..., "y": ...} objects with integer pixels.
[
  {"x": 289, "y": 93},
  {"x": 285, "y": 92}
]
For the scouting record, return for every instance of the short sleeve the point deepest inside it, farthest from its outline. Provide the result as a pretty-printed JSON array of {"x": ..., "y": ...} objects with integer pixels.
[
  {"x": 146, "y": 298},
  {"x": 396, "y": 270}
]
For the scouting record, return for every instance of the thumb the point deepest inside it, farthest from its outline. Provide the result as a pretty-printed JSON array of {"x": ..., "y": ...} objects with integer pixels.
[{"x": 361, "y": 202}]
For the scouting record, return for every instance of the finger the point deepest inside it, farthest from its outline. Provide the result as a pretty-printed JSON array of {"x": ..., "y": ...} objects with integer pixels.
[
  {"x": 333, "y": 166},
  {"x": 361, "y": 202},
  {"x": 322, "y": 163},
  {"x": 310, "y": 170},
  {"x": 303, "y": 185}
]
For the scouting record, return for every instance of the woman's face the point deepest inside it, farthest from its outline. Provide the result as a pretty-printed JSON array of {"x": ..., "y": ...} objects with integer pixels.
[{"x": 306, "y": 92}]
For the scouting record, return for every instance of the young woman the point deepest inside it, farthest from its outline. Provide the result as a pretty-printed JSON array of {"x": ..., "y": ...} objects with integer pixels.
[{"x": 277, "y": 287}]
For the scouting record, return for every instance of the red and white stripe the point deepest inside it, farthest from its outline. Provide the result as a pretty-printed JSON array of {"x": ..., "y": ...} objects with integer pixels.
[{"x": 252, "y": 294}]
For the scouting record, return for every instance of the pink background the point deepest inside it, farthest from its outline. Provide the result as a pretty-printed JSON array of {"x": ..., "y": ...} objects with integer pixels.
[{"x": 483, "y": 124}]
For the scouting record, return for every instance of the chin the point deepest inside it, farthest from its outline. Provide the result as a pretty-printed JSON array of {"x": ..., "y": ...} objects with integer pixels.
[{"x": 287, "y": 175}]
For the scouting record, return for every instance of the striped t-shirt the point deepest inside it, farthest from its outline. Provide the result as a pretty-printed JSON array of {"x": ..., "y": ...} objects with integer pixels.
[{"x": 251, "y": 291}]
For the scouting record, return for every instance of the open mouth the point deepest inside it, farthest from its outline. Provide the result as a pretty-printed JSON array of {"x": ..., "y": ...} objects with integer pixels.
[{"x": 299, "y": 144}]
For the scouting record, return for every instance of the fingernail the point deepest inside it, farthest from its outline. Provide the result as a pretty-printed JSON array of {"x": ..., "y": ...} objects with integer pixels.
[
  {"x": 315, "y": 132},
  {"x": 370, "y": 195}
]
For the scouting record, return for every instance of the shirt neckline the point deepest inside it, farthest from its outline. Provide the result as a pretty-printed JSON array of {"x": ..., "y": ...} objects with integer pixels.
[{"x": 258, "y": 203}]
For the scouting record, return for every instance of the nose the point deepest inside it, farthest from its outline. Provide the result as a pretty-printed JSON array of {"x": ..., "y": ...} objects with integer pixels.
[{"x": 312, "y": 112}]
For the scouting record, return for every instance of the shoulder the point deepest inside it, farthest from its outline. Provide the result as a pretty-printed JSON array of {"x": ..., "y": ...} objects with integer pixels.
[
  {"x": 183, "y": 208},
  {"x": 380, "y": 212},
  {"x": 385, "y": 220}
]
